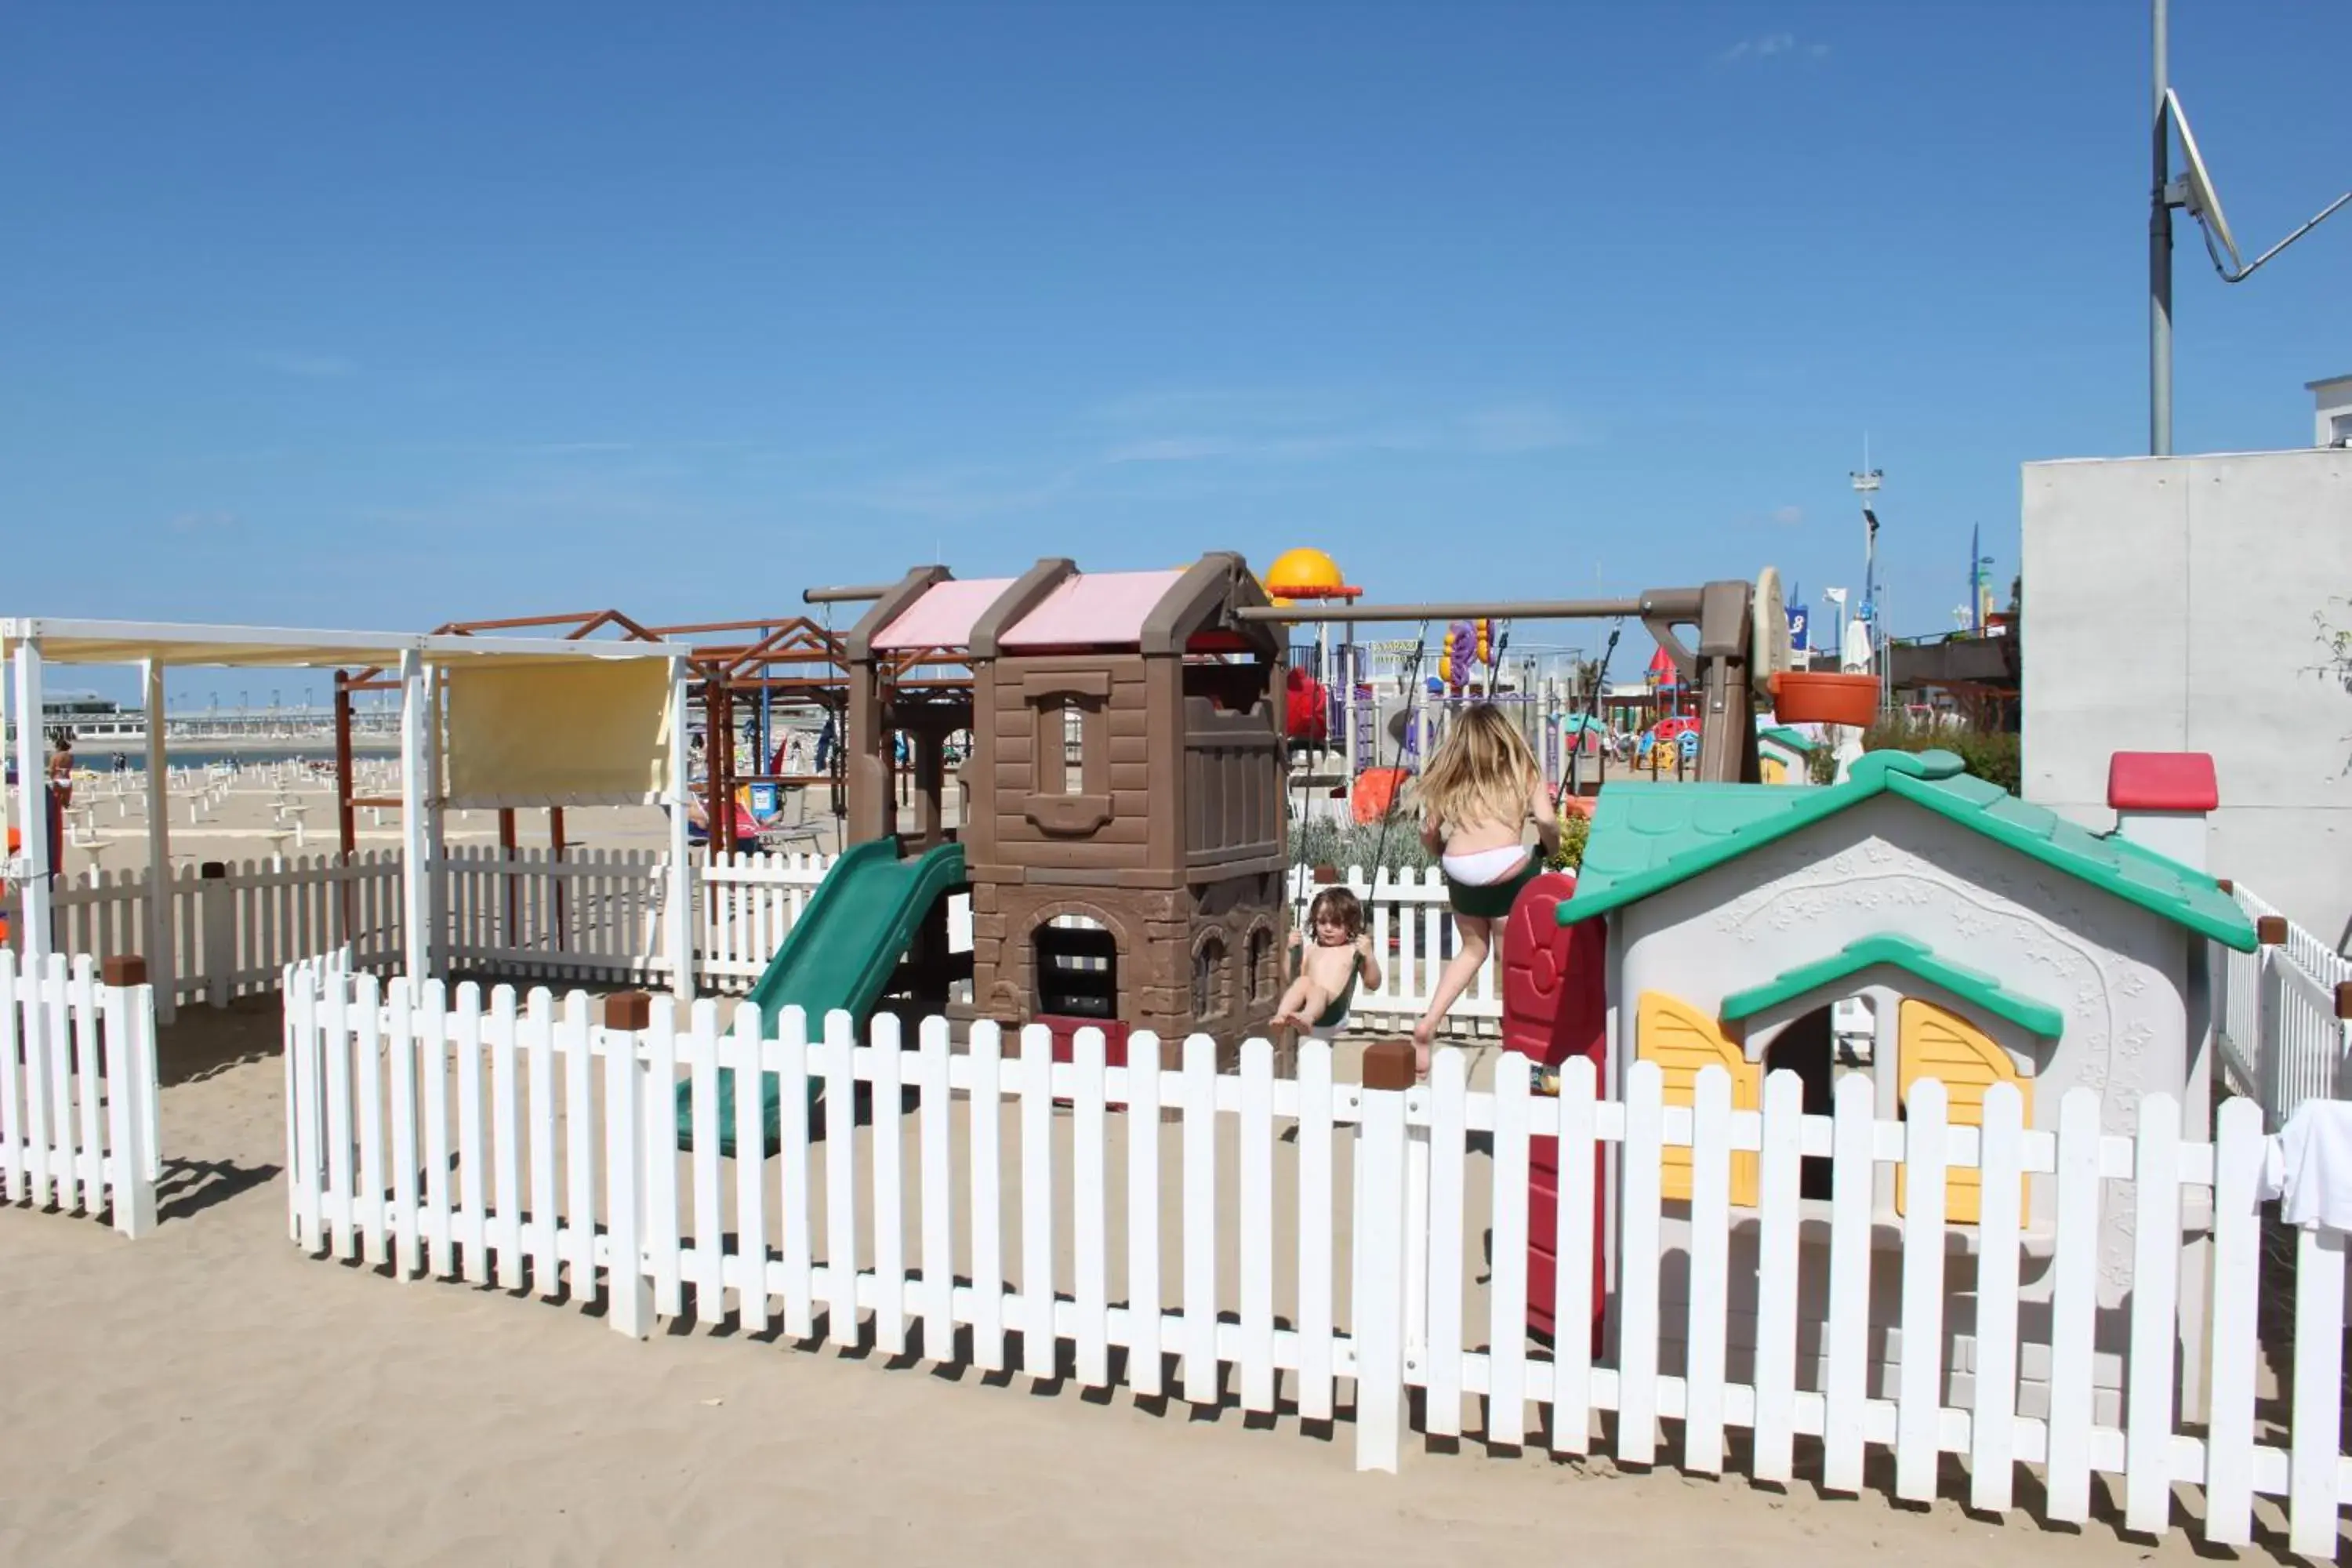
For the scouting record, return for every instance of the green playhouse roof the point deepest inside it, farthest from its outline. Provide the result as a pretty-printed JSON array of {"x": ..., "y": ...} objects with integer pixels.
[
  {"x": 1781, "y": 735},
  {"x": 1646, "y": 837}
]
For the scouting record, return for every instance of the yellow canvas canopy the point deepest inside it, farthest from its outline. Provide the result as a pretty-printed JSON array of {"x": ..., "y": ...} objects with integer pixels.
[{"x": 484, "y": 721}]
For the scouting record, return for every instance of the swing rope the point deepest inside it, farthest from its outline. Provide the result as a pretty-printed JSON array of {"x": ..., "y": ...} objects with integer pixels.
[
  {"x": 1591, "y": 707},
  {"x": 1405, "y": 715}
]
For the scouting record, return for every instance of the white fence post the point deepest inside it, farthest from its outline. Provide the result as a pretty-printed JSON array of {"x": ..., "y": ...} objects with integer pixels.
[
  {"x": 217, "y": 912},
  {"x": 1379, "y": 1289},
  {"x": 629, "y": 1296},
  {"x": 130, "y": 1166}
]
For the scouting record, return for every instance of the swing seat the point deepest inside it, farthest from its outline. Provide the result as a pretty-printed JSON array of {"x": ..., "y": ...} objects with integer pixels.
[{"x": 1334, "y": 1021}]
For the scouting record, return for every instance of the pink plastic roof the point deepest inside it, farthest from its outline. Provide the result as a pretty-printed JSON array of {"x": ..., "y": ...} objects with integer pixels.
[
  {"x": 1092, "y": 609},
  {"x": 942, "y": 618}
]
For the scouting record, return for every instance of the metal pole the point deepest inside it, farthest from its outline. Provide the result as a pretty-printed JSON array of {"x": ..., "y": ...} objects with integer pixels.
[
  {"x": 162, "y": 962},
  {"x": 416, "y": 838},
  {"x": 346, "y": 816},
  {"x": 677, "y": 919},
  {"x": 2159, "y": 258}
]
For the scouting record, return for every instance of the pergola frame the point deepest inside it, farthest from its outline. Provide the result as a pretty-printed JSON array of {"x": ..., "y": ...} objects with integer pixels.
[
  {"x": 30, "y": 644},
  {"x": 744, "y": 665}
]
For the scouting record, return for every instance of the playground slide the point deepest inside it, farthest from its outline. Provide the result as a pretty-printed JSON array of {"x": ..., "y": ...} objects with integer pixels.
[{"x": 839, "y": 954}]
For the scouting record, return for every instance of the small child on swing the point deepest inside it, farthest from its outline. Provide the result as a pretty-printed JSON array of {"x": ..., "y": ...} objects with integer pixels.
[
  {"x": 1477, "y": 793},
  {"x": 1319, "y": 999}
]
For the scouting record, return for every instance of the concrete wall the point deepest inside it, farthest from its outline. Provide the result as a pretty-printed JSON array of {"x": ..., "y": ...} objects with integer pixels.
[{"x": 2172, "y": 604}]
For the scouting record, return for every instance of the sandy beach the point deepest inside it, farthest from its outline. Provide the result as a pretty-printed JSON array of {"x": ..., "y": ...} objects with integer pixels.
[
  {"x": 211, "y": 1394},
  {"x": 288, "y": 809}
]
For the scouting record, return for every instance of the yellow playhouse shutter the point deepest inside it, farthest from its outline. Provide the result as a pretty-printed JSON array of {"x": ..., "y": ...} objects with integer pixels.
[
  {"x": 1943, "y": 1044},
  {"x": 1681, "y": 1040}
]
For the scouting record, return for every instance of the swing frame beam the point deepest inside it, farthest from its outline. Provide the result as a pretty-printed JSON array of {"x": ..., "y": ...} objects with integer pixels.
[{"x": 1719, "y": 669}]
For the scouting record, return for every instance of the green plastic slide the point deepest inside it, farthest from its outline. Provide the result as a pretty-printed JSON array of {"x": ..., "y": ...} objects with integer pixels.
[{"x": 839, "y": 956}]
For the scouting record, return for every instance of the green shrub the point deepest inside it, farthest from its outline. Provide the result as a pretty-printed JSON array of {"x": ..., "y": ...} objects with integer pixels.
[
  {"x": 1328, "y": 843},
  {"x": 1575, "y": 828},
  {"x": 1994, "y": 757},
  {"x": 1323, "y": 842}
]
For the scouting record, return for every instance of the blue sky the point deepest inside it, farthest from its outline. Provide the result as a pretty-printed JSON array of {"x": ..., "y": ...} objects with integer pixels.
[{"x": 316, "y": 317}]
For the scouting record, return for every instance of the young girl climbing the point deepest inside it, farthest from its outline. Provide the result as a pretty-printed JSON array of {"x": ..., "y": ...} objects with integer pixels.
[
  {"x": 1328, "y": 971},
  {"x": 1477, "y": 793}
]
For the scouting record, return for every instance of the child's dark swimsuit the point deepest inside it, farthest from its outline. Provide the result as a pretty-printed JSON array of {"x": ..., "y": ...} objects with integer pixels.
[
  {"x": 1337, "y": 1013},
  {"x": 1491, "y": 901}
]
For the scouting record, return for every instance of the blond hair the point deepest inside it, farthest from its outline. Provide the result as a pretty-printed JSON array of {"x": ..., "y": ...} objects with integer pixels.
[{"x": 1481, "y": 772}]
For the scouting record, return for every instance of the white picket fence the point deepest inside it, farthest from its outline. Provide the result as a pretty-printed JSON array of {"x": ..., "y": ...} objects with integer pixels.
[
  {"x": 589, "y": 914},
  {"x": 234, "y": 932},
  {"x": 2284, "y": 1034},
  {"x": 595, "y": 916},
  {"x": 1168, "y": 1227},
  {"x": 79, "y": 1106},
  {"x": 748, "y": 904}
]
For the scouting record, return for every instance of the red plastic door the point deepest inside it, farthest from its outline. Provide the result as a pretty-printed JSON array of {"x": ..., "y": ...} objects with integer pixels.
[{"x": 1555, "y": 1007}]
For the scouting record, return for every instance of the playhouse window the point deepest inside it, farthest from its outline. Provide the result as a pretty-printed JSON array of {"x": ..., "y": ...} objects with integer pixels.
[
  {"x": 1234, "y": 683},
  {"x": 1209, "y": 977},
  {"x": 1071, "y": 777},
  {"x": 1259, "y": 977},
  {"x": 1068, "y": 730}
]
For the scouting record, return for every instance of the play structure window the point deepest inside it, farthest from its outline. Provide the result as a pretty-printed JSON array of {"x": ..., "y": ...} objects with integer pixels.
[
  {"x": 1233, "y": 685},
  {"x": 1804, "y": 1047},
  {"x": 1070, "y": 777},
  {"x": 1077, "y": 968},
  {"x": 1209, "y": 977},
  {"x": 1070, "y": 773},
  {"x": 1258, "y": 979}
]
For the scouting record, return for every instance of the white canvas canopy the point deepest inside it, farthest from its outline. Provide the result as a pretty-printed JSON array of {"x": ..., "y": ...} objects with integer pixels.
[{"x": 484, "y": 721}]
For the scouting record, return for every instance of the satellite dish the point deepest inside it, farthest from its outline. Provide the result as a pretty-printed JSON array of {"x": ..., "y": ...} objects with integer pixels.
[
  {"x": 2204, "y": 202},
  {"x": 1767, "y": 647}
]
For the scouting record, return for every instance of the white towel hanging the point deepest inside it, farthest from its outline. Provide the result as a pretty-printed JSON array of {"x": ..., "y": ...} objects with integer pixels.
[{"x": 2307, "y": 1166}]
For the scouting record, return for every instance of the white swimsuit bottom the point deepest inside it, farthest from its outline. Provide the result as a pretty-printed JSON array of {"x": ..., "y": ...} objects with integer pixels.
[{"x": 1485, "y": 867}]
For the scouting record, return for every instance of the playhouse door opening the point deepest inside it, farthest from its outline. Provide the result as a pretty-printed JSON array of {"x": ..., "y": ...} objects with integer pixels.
[
  {"x": 1806, "y": 1048},
  {"x": 1077, "y": 968}
]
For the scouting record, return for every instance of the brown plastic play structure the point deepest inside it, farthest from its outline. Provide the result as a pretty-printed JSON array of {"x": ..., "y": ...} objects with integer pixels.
[{"x": 1123, "y": 822}]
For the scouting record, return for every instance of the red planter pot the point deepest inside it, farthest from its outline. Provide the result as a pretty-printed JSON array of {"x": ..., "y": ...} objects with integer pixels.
[{"x": 1801, "y": 697}]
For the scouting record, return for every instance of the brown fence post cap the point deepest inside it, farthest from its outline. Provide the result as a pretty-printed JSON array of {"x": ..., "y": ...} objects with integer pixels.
[
  {"x": 2343, "y": 999},
  {"x": 628, "y": 1010},
  {"x": 123, "y": 970},
  {"x": 1388, "y": 1064},
  {"x": 2270, "y": 931},
  {"x": 2226, "y": 884}
]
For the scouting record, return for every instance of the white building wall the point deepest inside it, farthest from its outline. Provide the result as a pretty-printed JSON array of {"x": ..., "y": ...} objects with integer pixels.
[
  {"x": 2332, "y": 408},
  {"x": 2176, "y": 604}
]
